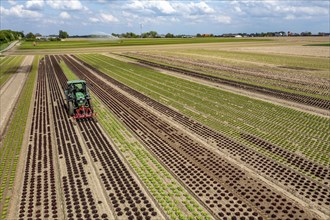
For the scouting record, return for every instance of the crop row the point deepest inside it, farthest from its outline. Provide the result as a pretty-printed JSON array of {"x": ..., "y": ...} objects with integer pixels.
[
  {"x": 39, "y": 197},
  {"x": 287, "y": 177},
  {"x": 12, "y": 142},
  {"x": 227, "y": 113},
  {"x": 292, "y": 79},
  {"x": 222, "y": 186},
  {"x": 127, "y": 197},
  {"x": 8, "y": 67},
  {"x": 174, "y": 199}
]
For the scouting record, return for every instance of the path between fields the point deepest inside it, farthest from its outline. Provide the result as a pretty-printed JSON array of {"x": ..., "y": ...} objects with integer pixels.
[
  {"x": 10, "y": 92},
  {"x": 10, "y": 46}
]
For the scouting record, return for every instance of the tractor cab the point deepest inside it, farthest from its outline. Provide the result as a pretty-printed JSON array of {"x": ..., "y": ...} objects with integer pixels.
[{"x": 78, "y": 99}]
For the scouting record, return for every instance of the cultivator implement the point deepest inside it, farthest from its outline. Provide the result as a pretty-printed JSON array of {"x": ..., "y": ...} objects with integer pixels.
[{"x": 84, "y": 112}]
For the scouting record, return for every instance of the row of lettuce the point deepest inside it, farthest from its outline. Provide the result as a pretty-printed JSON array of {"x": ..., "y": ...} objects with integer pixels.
[
  {"x": 294, "y": 74},
  {"x": 301, "y": 133},
  {"x": 170, "y": 195}
]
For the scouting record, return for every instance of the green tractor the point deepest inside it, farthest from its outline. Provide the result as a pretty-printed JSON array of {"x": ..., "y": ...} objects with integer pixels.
[{"x": 78, "y": 99}]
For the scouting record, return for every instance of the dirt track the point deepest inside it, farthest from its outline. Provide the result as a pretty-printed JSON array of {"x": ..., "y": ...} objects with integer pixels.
[{"x": 10, "y": 92}]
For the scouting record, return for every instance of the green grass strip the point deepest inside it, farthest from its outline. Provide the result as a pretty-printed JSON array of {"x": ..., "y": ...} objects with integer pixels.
[
  {"x": 321, "y": 45},
  {"x": 69, "y": 74},
  {"x": 12, "y": 142},
  {"x": 127, "y": 42}
]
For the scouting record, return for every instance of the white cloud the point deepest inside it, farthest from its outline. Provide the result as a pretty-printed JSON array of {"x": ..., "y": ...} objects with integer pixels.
[
  {"x": 285, "y": 9},
  {"x": 12, "y": 2},
  {"x": 65, "y": 15},
  {"x": 163, "y": 7},
  {"x": 108, "y": 18},
  {"x": 34, "y": 4},
  {"x": 222, "y": 19},
  {"x": 94, "y": 20},
  {"x": 74, "y": 5},
  {"x": 290, "y": 17},
  {"x": 136, "y": 5},
  {"x": 169, "y": 7},
  {"x": 19, "y": 11},
  {"x": 203, "y": 7}
]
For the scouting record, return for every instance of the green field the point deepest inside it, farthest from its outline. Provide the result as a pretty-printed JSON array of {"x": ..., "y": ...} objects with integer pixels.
[
  {"x": 159, "y": 181},
  {"x": 226, "y": 112},
  {"x": 306, "y": 76},
  {"x": 127, "y": 42}
]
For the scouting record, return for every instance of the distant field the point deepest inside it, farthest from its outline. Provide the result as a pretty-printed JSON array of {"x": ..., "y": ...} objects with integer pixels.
[{"x": 127, "y": 42}]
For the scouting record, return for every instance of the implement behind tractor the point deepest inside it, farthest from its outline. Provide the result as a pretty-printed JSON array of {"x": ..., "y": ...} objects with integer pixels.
[{"x": 78, "y": 100}]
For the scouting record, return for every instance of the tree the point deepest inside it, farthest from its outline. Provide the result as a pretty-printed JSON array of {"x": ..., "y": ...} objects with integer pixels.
[
  {"x": 169, "y": 35},
  {"x": 30, "y": 35},
  {"x": 153, "y": 34},
  {"x": 63, "y": 34},
  {"x": 198, "y": 35}
]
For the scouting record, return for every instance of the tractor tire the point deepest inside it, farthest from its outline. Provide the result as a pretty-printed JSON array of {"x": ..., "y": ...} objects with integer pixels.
[
  {"x": 90, "y": 105},
  {"x": 70, "y": 109}
]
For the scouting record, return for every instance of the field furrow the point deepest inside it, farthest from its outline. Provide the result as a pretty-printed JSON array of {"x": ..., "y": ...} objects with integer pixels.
[
  {"x": 216, "y": 181},
  {"x": 120, "y": 187}
]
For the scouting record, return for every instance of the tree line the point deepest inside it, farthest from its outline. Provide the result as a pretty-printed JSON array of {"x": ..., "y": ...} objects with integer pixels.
[
  {"x": 9, "y": 35},
  {"x": 150, "y": 34}
]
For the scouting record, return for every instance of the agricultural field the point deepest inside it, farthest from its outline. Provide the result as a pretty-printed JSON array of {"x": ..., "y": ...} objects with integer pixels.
[
  {"x": 90, "y": 43},
  {"x": 205, "y": 131}
]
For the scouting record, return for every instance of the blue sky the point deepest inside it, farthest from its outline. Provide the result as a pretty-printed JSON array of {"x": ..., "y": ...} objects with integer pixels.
[{"x": 79, "y": 17}]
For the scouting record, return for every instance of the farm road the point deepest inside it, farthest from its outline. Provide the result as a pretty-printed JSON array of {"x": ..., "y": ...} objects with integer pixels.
[{"x": 10, "y": 92}]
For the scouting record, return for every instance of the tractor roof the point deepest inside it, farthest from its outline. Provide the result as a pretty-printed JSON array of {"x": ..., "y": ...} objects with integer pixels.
[{"x": 79, "y": 81}]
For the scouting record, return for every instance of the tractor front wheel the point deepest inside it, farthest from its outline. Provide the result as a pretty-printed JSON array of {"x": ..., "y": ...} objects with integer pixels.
[{"x": 71, "y": 109}]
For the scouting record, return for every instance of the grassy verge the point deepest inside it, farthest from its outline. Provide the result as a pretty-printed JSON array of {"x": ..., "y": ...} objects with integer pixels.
[
  {"x": 173, "y": 198},
  {"x": 4, "y": 45},
  {"x": 127, "y": 42},
  {"x": 228, "y": 113},
  {"x": 12, "y": 142},
  {"x": 320, "y": 45}
]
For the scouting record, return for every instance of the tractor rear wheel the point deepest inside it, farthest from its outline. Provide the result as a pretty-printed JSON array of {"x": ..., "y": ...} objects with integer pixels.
[{"x": 71, "y": 109}]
